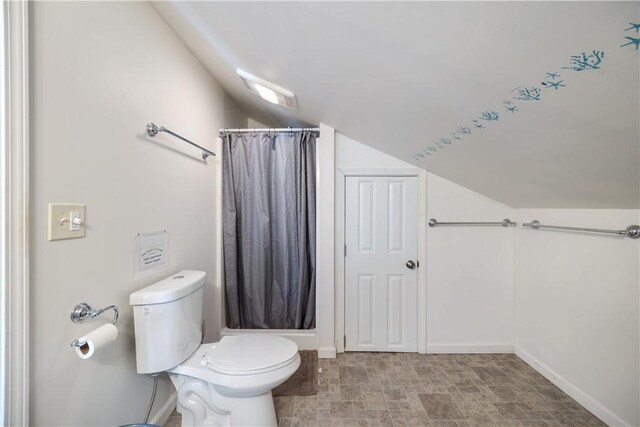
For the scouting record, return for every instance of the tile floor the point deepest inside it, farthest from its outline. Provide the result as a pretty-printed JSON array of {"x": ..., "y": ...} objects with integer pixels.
[{"x": 408, "y": 389}]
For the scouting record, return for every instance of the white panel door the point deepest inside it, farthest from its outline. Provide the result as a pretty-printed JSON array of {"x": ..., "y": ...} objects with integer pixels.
[{"x": 381, "y": 285}]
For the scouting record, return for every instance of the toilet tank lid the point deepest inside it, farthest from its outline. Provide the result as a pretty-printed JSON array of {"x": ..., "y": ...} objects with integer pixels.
[{"x": 170, "y": 289}]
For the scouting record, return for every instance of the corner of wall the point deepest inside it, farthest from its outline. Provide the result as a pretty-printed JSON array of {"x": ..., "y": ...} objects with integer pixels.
[{"x": 325, "y": 226}]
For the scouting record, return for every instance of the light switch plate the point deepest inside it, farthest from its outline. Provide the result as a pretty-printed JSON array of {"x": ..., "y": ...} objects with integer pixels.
[{"x": 60, "y": 221}]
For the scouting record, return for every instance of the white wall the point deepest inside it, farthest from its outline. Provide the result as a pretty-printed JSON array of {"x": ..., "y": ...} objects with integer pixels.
[
  {"x": 351, "y": 154},
  {"x": 576, "y": 305},
  {"x": 100, "y": 72},
  {"x": 469, "y": 272}
]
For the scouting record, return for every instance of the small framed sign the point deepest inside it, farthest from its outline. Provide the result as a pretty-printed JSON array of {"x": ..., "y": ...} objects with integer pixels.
[{"x": 151, "y": 254}]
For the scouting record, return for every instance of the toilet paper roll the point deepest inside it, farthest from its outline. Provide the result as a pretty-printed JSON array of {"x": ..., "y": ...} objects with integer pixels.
[{"x": 95, "y": 340}]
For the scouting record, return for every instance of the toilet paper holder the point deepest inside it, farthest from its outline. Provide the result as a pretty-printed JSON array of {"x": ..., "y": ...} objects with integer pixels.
[{"x": 83, "y": 311}]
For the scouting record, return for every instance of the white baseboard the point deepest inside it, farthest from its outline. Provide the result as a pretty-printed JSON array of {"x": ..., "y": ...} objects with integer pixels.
[
  {"x": 327, "y": 352},
  {"x": 575, "y": 393},
  {"x": 467, "y": 348},
  {"x": 165, "y": 411}
]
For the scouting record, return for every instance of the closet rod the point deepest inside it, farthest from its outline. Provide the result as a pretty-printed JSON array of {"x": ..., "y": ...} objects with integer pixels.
[
  {"x": 247, "y": 130},
  {"x": 152, "y": 130},
  {"x": 632, "y": 231},
  {"x": 505, "y": 223}
]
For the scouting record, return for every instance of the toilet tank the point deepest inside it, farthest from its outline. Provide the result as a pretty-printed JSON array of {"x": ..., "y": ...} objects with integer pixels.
[{"x": 168, "y": 321}]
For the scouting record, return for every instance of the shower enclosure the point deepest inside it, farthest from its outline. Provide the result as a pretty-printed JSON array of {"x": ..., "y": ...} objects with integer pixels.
[{"x": 269, "y": 229}]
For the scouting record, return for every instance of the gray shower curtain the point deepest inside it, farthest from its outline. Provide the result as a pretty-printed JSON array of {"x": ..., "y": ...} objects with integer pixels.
[{"x": 269, "y": 229}]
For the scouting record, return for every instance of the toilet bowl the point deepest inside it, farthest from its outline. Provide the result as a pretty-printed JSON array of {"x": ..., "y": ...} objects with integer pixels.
[{"x": 227, "y": 383}]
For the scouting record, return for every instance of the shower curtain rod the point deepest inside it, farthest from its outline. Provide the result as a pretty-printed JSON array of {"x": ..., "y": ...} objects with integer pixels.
[{"x": 269, "y": 130}]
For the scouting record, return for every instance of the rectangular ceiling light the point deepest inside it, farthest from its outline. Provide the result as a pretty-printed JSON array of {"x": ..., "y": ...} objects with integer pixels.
[{"x": 268, "y": 91}]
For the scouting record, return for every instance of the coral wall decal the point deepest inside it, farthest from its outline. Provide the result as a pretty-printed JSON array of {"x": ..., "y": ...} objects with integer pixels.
[
  {"x": 532, "y": 93},
  {"x": 490, "y": 116},
  {"x": 586, "y": 61}
]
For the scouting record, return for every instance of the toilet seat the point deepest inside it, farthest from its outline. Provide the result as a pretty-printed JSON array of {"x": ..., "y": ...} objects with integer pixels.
[
  {"x": 251, "y": 354},
  {"x": 257, "y": 378}
]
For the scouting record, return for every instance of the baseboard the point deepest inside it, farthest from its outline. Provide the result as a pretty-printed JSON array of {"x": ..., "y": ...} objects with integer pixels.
[
  {"x": 165, "y": 411},
  {"x": 575, "y": 393},
  {"x": 467, "y": 348},
  {"x": 327, "y": 352}
]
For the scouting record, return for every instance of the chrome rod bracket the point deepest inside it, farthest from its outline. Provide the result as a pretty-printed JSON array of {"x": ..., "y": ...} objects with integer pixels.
[
  {"x": 152, "y": 129},
  {"x": 633, "y": 231},
  {"x": 84, "y": 311}
]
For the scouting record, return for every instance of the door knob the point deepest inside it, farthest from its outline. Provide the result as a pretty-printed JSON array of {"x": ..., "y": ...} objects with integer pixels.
[{"x": 411, "y": 265}]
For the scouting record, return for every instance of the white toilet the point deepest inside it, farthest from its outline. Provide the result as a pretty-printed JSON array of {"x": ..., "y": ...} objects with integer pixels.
[{"x": 227, "y": 383}]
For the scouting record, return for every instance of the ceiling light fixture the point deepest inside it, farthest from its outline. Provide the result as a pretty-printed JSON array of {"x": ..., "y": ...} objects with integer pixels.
[{"x": 268, "y": 91}]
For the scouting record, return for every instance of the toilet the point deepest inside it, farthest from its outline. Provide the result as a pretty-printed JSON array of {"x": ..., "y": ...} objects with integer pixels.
[{"x": 227, "y": 383}]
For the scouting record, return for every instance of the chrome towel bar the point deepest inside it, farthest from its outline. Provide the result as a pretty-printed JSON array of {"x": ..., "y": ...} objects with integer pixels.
[
  {"x": 632, "y": 231},
  {"x": 152, "y": 130},
  {"x": 505, "y": 223}
]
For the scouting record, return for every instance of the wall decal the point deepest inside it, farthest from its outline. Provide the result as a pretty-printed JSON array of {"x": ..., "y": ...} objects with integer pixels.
[
  {"x": 632, "y": 41},
  {"x": 633, "y": 27},
  {"x": 554, "y": 85},
  {"x": 490, "y": 116},
  {"x": 529, "y": 94},
  {"x": 580, "y": 62},
  {"x": 586, "y": 61}
]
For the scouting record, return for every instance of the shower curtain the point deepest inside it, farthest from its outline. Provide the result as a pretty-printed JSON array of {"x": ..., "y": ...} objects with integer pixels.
[{"x": 269, "y": 229}]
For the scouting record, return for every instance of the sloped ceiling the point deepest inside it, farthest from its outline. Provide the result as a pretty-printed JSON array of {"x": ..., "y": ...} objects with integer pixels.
[{"x": 410, "y": 78}]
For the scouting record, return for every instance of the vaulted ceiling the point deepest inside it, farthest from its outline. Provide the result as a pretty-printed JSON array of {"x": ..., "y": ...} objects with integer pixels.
[{"x": 535, "y": 104}]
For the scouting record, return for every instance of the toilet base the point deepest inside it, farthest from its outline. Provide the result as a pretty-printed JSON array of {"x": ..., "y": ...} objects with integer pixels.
[{"x": 202, "y": 405}]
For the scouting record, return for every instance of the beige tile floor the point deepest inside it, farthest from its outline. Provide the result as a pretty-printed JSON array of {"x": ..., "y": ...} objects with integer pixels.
[{"x": 408, "y": 389}]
